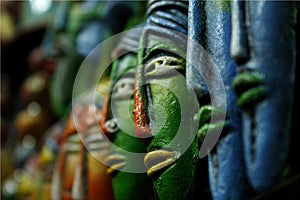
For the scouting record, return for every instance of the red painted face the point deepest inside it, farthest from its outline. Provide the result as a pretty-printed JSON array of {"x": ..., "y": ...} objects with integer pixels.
[{"x": 73, "y": 158}]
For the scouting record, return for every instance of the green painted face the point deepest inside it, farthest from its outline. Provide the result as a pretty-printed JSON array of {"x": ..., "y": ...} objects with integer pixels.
[
  {"x": 173, "y": 151},
  {"x": 126, "y": 185}
]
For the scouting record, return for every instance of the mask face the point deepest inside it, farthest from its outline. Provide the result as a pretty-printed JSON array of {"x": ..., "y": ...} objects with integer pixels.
[
  {"x": 79, "y": 173},
  {"x": 119, "y": 127},
  {"x": 98, "y": 181},
  {"x": 46, "y": 159},
  {"x": 264, "y": 55},
  {"x": 72, "y": 174},
  {"x": 225, "y": 183},
  {"x": 163, "y": 106}
]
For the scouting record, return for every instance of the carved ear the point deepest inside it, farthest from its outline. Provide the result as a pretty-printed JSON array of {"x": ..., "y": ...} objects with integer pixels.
[{"x": 239, "y": 47}]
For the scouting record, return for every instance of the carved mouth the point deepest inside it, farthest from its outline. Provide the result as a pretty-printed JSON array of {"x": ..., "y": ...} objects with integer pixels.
[
  {"x": 158, "y": 160},
  {"x": 94, "y": 140},
  {"x": 249, "y": 88},
  {"x": 73, "y": 144},
  {"x": 211, "y": 119},
  {"x": 116, "y": 162}
]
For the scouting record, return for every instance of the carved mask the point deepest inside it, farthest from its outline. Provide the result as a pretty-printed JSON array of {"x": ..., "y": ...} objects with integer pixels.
[{"x": 266, "y": 57}]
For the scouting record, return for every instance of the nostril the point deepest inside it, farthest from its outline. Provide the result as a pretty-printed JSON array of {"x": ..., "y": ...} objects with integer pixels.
[
  {"x": 240, "y": 59},
  {"x": 240, "y": 54},
  {"x": 160, "y": 62},
  {"x": 205, "y": 99},
  {"x": 111, "y": 126}
]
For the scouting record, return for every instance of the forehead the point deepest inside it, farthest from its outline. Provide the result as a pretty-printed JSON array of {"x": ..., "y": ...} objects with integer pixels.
[
  {"x": 125, "y": 80},
  {"x": 126, "y": 65}
]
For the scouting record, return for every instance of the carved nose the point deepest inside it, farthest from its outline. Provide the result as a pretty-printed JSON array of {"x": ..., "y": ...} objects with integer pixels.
[
  {"x": 111, "y": 125},
  {"x": 239, "y": 47}
]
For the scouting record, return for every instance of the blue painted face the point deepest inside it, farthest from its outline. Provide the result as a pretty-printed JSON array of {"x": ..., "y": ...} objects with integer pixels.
[
  {"x": 227, "y": 177},
  {"x": 265, "y": 52}
]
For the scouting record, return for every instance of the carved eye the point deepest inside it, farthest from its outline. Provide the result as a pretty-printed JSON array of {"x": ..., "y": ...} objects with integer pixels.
[
  {"x": 164, "y": 66},
  {"x": 122, "y": 85},
  {"x": 124, "y": 88}
]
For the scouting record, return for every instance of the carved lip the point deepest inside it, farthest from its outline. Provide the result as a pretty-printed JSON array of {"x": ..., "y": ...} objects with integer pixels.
[
  {"x": 250, "y": 89},
  {"x": 73, "y": 144},
  {"x": 116, "y": 162},
  {"x": 159, "y": 159}
]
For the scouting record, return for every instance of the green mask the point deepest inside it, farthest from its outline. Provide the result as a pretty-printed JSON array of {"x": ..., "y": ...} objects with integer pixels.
[
  {"x": 164, "y": 110},
  {"x": 117, "y": 124}
]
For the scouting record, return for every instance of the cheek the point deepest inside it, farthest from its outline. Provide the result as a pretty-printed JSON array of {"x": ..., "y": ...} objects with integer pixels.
[
  {"x": 164, "y": 113},
  {"x": 180, "y": 175}
]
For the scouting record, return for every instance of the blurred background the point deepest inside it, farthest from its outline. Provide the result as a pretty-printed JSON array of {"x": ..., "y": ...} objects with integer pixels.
[{"x": 43, "y": 43}]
